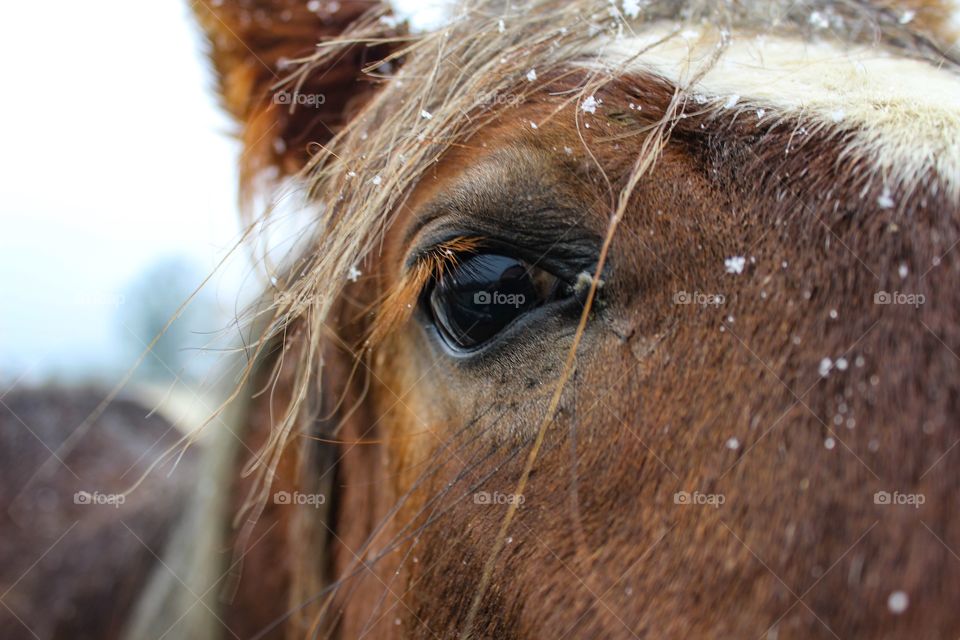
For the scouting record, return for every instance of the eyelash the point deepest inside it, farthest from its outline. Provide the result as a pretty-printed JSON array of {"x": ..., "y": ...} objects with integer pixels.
[{"x": 426, "y": 267}]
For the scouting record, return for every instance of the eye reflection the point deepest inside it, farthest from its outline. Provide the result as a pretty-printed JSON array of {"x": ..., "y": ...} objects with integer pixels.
[{"x": 484, "y": 294}]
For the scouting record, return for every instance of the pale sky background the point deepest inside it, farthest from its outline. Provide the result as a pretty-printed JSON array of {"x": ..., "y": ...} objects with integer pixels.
[{"x": 114, "y": 155}]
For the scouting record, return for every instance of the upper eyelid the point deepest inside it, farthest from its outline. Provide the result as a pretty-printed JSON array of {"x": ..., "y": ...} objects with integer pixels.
[
  {"x": 443, "y": 219},
  {"x": 550, "y": 235},
  {"x": 446, "y": 251}
]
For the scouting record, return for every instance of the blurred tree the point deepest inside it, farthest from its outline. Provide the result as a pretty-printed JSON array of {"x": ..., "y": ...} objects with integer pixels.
[{"x": 151, "y": 299}]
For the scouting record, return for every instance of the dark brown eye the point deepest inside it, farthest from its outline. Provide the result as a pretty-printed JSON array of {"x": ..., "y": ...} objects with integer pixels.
[{"x": 484, "y": 294}]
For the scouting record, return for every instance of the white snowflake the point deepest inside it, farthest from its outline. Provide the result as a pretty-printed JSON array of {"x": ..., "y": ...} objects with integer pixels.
[
  {"x": 426, "y": 115},
  {"x": 898, "y": 602},
  {"x": 501, "y": 27},
  {"x": 731, "y": 101},
  {"x": 885, "y": 200},
  {"x": 818, "y": 20},
  {"x": 532, "y": 75},
  {"x": 735, "y": 264},
  {"x": 390, "y": 22},
  {"x": 733, "y": 444},
  {"x": 590, "y": 105},
  {"x": 631, "y": 8},
  {"x": 824, "y": 369},
  {"x": 354, "y": 274}
]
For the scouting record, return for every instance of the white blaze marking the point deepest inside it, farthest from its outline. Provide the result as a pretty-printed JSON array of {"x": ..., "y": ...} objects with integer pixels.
[{"x": 903, "y": 114}]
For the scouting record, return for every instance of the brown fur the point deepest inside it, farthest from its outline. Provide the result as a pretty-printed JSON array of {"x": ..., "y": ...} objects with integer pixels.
[
  {"x": 600, "y": 548},
  {"x": 793, "y": 508},
  {"x": 695, "y": 387}
]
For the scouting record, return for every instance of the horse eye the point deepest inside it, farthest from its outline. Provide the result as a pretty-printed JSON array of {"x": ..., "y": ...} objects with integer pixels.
[{"x": 484, "y": 293}]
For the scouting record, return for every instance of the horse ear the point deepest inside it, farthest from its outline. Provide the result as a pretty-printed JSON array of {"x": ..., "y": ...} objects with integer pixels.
[{"x": 251, "y": 45}]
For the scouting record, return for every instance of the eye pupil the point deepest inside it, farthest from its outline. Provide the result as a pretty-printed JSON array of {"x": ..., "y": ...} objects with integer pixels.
[{"x": 483, "y": 295}]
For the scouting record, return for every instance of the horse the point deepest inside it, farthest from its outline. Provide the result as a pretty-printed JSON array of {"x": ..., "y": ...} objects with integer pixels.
[
  {"x": 76, "y": 550},
  {"x": 613, "y": 319}
]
